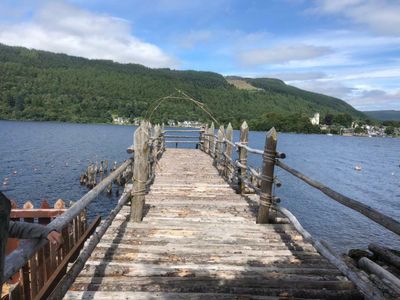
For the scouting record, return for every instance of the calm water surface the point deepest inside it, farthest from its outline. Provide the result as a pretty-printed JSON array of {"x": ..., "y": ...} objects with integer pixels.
[{"x": 49, "y": 157}]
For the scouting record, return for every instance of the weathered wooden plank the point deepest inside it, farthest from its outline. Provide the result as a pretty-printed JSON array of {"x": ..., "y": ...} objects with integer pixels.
[{"x": 89, "y": 295}]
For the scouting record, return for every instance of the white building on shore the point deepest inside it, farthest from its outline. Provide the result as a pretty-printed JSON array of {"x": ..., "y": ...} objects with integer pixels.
[{"x": 315, "y": 119}]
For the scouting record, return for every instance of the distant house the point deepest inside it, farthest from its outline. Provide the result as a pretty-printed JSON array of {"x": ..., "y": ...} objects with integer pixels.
[
  {"x": 315, "y": 119},
  {"x": 120, "y": 120}
]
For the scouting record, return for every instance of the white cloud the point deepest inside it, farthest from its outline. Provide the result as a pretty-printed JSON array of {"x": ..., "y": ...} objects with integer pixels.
[
  {"x": 281, "y": 54},
  {"x": 376, "y": 99},
  {"x": 381, "y": 16},
  {"x": 194, "y": 38},
  {"x": 333, "y": 88},
  {"x": 63, "y": 28},
  {"x": 297, "y": 76}
]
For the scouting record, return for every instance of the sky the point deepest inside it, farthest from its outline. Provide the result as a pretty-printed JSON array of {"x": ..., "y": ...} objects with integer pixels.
[{"x": 348, "y": 49}]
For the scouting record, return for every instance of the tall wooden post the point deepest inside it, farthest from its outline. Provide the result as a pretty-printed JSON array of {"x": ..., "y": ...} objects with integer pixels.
[
  {"x": 157, "y": 144},
  {"x": 219, "y": 146},
  {"x": 228, "y": 149},
  {"x": 206, "y": 143},
  {"x": 244, "y": 138},
  {"x": 201, "y": 138},
  {"x": 140, "y": 171},
  {"x": 211, "y": 131},
  {"x": 162, "y": 132},
  {"x": 5, "y": 207},
  {"x": 267, "y": 176}
]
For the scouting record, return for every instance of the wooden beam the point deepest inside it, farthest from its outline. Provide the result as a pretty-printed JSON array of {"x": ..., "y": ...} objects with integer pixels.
[
  {"x": 244, "y": 139},
  {"x": 36, "y": 213},
  {"x": 371, "y": 267},
  {"x": 228, "y": 148},
  {"x": 140, "y": 172},
  {"x": 219, "y": 145},
  {"x": 385, "y": 254},
  {"x": 211, "y": 131},
  {"x": 206, "y": 144},
  {"x": 267, "y": 176},
  {"x": 367, "y": 288}
]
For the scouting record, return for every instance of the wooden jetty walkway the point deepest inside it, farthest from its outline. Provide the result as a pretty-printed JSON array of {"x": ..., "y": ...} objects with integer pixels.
[
  {"x": 204, "y": 224},
  {"x": 199, "y": 240}
]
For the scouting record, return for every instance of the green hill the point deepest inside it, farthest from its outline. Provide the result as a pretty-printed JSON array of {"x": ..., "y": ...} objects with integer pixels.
[
  {"x": 40, "y": 85},
  {"x": 384, "y": 115}
]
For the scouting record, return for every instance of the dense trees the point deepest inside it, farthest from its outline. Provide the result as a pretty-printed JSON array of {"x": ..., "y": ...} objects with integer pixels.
[
  {"x": 40, "y": 85},
  {"x": 289, "y": 123}
]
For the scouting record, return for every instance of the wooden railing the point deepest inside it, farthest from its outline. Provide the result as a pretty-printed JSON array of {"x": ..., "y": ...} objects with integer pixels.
[
  {"x": 147, "y": 149},
  {"x": 220, "y": 147},
  {"x": 34, "y": 278},
  {"x": 30, "y": 253},
  {"x": 183, "y": 136}
]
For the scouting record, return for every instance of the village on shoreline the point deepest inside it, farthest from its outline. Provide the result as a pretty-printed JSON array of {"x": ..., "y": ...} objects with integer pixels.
[{"x": 356, "y": 129}]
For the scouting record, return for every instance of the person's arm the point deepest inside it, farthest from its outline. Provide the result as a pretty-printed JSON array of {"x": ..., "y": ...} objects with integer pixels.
[{"x": 24, "y": 230}]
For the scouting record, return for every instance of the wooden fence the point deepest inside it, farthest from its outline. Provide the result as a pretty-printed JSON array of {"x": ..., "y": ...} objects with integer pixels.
[
  {"x": 220, "y": 146},
  {"x": 147, "y": 149},
  {"x": 38, "y": 276}
]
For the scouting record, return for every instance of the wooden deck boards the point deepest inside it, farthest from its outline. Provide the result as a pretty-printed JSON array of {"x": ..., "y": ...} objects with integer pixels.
[{"x": 199, "y": 240}]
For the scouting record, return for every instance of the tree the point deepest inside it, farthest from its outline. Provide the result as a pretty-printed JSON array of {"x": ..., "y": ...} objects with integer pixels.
[
  {"x": 328, "y": 119},
  {"x": 389, "y": 130},
  {"x": 343, "y": 119}
]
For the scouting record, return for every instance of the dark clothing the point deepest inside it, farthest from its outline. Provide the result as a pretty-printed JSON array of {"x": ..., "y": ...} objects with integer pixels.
[{"x": 24, "y": 230}]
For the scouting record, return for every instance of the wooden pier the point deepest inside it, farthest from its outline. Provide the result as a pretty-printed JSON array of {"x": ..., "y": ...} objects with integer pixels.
[
  {"x": 199, "y": 240},
  {"x": 203, "y": 224}
]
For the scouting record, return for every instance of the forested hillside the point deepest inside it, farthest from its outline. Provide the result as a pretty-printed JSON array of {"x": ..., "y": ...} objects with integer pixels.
[
  {"x": 39, "y": 85},
  {"x": 384, "y": 115}
]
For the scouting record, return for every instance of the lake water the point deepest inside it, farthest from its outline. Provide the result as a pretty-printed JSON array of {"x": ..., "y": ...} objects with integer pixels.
[{"x": 49, "y": 157}]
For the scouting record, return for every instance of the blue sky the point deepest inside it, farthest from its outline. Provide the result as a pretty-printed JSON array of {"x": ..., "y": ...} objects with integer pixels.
[{"x": 345, "y": 48}]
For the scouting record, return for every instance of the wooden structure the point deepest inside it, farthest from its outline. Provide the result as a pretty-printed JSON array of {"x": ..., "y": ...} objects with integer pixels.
[
  {"x": 38, "y": 277},
  {"x": 204, "y": 224},
  {"x": 199, "y": 237}
]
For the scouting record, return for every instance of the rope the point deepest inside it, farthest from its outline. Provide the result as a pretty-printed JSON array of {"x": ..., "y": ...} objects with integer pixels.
[
  {"x": 269, "y": 156},
  {"x": 265, "y": 199}
]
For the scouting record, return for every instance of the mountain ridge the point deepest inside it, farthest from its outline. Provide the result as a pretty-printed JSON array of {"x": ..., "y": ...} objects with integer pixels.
[
  {"x": 41, "y": 85},
  {"x": 384, "y": 115}
]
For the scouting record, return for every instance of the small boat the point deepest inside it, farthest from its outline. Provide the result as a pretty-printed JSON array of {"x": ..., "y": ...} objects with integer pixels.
[
  {"x": 358, "y": 168},
  {"x": 329, "y": 134}
]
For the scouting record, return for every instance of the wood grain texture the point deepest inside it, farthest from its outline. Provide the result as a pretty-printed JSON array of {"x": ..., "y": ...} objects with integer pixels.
[{"x": 199, "y": 240}]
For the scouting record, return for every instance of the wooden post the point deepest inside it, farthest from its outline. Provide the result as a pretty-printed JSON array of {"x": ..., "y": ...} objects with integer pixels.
[
  {"x": 228, "y": 149},
  {"x": 106, "y": 166},
  {"x": 5, "y": 208},
  {"x": 140, "y": 172},
  {"x": 244, "y": 138},
  {"x": 211, "y": 131},
  {"x": 206, "y": 139},
  {"x": 219, "y": 146},
  {"x": 201, "y": 138},
  {"x": 267, "y": 176},
  {"x": 162, "y": 137}
]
